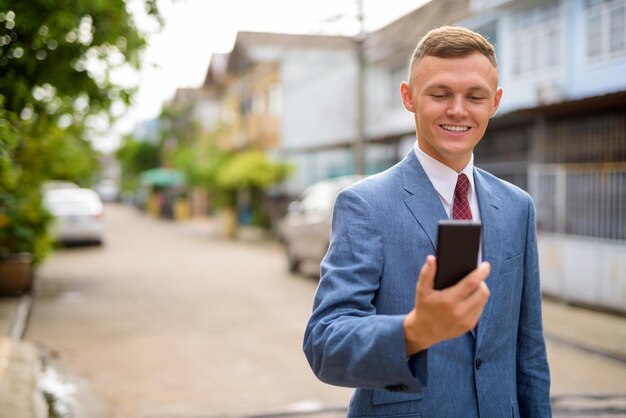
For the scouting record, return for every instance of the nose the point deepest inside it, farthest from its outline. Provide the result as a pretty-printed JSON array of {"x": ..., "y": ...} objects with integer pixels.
[{"x": 457, "y": 108}]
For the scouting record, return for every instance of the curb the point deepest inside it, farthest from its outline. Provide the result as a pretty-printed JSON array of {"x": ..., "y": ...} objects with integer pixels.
[{"x": 20, "y": 317}]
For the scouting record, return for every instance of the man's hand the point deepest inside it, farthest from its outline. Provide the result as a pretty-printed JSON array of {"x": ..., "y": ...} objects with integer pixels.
[{"x": 440, "y": 315}]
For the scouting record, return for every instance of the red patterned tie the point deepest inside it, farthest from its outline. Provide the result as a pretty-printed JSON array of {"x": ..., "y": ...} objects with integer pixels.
[{"x": 461, "y": 208}]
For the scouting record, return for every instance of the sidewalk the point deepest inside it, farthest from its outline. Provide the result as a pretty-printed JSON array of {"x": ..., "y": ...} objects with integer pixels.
[
  {"x": 20, "y": 363},
  {"x": 587, "y": 330}
]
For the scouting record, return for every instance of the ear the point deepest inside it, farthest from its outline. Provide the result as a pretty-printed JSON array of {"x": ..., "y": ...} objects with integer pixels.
[
  {"x": 407, "y": 96},
  {"x": 496, "y": 101}
]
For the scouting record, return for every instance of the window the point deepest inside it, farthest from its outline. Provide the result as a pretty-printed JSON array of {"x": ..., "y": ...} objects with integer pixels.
[
  {"x": 275, "y": 98},
  {"x": 606, "y": 29},
  {"x": 536, "y": 39}
]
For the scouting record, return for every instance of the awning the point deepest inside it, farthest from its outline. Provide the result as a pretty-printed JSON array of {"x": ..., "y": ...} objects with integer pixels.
[{"x": 164, "y": 177}]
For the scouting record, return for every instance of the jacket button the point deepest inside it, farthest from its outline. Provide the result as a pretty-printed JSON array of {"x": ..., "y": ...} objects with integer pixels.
[{"x": 478, "y": 363}]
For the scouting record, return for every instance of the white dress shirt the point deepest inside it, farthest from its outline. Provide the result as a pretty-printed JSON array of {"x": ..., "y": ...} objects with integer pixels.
[{"x": 443, "y": 179}]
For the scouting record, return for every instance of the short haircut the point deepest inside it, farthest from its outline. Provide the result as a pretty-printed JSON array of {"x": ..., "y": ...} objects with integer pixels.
[{"x": 452, "y": 42}]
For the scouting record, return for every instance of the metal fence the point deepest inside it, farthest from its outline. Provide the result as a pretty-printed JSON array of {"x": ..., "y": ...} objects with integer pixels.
[{"x": 580, "y": 199}]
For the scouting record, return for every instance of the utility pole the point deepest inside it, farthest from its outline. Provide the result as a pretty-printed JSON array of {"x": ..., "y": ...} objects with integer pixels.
[{"x": 359, "y": 141}]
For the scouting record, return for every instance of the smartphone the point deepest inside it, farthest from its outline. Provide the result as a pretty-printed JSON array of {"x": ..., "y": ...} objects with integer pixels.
[{"x": 458, "y": 243}]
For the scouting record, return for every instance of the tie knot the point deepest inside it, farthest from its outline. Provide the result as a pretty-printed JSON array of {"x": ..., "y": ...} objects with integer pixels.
[{"x": 462, "y": 185}]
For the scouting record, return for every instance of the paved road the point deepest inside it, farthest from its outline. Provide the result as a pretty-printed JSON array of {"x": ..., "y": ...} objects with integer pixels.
[{"x": 166, "y": 320}]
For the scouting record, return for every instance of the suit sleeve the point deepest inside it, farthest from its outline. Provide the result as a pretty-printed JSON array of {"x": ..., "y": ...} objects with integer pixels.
[
  {"x": 533, "y": 375},
  {"x": 346, "y": 342}
]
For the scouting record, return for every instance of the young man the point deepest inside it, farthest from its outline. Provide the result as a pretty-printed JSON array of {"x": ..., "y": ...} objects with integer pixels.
[{"x": 475, "y": 349}]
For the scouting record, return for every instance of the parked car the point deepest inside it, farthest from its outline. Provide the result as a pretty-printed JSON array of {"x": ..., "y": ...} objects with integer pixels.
[
  {"x": 108, "y": 190},
  {"x": 305, "y": 229},
  {"x": 78, "y": 215}
]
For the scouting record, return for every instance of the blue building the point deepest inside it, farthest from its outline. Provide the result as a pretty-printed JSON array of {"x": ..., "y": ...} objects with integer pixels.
[{"x": 560, "y": 132}]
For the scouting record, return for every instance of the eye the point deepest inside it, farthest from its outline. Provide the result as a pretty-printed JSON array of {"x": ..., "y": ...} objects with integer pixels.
[{"x": 438, "y": 95}]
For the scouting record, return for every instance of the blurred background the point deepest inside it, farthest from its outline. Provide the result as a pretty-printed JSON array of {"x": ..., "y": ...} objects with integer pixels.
[{"x": 168, "y": 169}]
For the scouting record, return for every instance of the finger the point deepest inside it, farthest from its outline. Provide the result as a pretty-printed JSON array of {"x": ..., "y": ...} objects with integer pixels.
[
  {"x": 470, "y": 283},
  {"x": 427, "y": 274},
  {"x": 473, "y": 306},
  {"x": 479, "y": 297},
  {"x": 478, "y": 301}
]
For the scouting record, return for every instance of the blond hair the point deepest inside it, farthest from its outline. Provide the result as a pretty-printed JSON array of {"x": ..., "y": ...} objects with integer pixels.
[{"x": 452, "y": 42}]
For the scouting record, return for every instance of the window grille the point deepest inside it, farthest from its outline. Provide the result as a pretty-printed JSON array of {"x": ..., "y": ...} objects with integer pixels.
[{"x": 596, "y": 138}]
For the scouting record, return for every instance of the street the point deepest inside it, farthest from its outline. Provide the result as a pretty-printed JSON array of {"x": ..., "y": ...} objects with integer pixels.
[
  {"x": 169, "y": 320},
  {"x": 165, "y": 321}
]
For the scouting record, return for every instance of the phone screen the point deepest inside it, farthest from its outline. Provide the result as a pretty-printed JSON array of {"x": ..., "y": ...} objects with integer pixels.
[{"x": 458, "y": 243}]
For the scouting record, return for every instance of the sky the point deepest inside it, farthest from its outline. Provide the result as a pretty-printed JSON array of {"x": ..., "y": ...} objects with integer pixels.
[{"x": 179, "y": 54}]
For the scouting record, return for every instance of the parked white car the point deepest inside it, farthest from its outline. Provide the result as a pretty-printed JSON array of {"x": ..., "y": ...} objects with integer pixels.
[
  {"x": 305, "y": 229},
  {"x": 78, "y": 215},
  {"x": 108, "y": 190}
]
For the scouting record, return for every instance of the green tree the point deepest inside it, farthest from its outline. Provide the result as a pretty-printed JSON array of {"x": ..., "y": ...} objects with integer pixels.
[
  {"x": 245, "y": 176},
  {"x": 58, "y": 57},
  {"x": 134, "y": 157},
  {"x": 23, "y": 222},
  {"x": 59, "y": 65}
]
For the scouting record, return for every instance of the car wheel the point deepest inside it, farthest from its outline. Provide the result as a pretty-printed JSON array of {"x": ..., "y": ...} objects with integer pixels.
[{"x": 293, "y": 263}]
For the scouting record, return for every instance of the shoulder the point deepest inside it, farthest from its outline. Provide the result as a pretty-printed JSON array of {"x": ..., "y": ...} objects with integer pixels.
[
  {"x": 378, "y": 186},
  {"x": 503, "y": 188}
]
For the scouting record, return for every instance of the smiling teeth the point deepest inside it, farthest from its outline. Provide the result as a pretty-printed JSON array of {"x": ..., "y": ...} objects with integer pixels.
[{"x": 455, "y": 128}]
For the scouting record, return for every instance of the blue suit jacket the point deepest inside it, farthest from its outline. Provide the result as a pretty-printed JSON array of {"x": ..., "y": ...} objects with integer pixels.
[{"x": 383, "y": 228}]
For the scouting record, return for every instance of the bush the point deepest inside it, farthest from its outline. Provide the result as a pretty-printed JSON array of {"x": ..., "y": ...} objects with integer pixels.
[{"x": 23, "y": 220}]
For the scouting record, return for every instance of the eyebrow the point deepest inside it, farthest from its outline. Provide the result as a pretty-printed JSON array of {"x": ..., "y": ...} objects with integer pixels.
[{"x": 442, "y": 86}]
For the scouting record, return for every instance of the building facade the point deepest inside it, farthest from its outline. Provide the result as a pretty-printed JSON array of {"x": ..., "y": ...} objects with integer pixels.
[{"x": 560, "y": 132}]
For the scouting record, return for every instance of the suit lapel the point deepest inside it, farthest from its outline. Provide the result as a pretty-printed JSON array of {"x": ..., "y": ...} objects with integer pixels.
[
  {"x": 493, "y": 224},
  {"x": 423, "y": 202}
]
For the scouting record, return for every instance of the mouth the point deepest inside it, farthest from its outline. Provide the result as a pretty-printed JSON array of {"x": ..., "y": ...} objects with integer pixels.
[{"x": 455, "y": 129}]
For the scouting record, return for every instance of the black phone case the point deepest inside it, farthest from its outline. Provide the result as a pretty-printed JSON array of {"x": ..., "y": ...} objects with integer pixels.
[{"x": 458, "y": 243}]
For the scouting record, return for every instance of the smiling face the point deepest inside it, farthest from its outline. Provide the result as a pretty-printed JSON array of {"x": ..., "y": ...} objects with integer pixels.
[{"x": 452, "y": 100}]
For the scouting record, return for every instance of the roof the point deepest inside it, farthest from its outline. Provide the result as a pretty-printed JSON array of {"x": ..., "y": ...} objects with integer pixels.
[
  {"x": 287, "y": 40},
  {"x": 216, "y": 73},
  {"x": 266, "y": 46},
  {"x": 184, "y": 95},
  {"x": 615, "y": 101},
  {"x": 402, "y": 34}
]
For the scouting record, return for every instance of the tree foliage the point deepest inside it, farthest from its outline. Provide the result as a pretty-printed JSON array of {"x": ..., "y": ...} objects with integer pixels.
[
  {"x": 251, "y": 169},
  {"x": 23, "y": 222},
  {"x": 134, "y": 157},
  {"x": 57, "y": 57},
  {"x": 60, "y": 63}
]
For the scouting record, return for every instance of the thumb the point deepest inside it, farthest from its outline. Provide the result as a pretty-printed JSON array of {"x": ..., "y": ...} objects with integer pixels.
[{"x": 426, "y": 281}]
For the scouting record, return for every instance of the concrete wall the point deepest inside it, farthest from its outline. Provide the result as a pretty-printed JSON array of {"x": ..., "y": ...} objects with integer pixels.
[{"x": 584, "y": 270}]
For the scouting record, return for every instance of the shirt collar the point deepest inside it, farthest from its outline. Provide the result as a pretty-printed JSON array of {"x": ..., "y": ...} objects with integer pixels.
[{"x": 442, "y": 177}]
